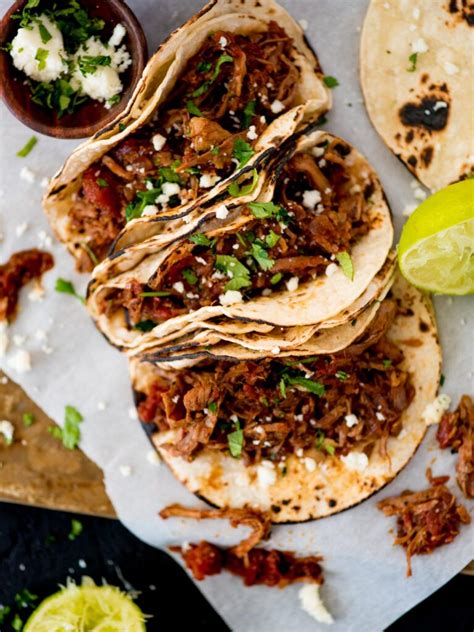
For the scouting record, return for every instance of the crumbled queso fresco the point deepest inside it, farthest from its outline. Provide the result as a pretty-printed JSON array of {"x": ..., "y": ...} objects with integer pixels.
[{"x": 92, "y": 70}]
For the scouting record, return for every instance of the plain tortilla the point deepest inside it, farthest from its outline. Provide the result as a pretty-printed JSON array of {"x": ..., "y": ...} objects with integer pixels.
[
  {"x": 312, "y": 303},
  {"x": 305, "y": 494},
  {"x": 159, "y": 77},
  {"x": 443, "y": 76}
]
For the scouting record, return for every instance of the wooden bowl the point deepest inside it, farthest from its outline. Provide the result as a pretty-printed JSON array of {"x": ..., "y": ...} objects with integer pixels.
[{"x": 91, "y": 116}]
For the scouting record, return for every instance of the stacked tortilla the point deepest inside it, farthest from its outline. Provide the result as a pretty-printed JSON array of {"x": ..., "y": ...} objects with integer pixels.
[{"x": 277, "y": 360}]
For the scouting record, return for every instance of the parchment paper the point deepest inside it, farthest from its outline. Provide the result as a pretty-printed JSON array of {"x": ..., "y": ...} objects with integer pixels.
[{"x": 365, "y": 588}]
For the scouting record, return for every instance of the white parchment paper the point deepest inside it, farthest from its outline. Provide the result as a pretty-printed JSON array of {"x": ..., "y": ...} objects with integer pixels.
[{"x": 365, "y": 588}]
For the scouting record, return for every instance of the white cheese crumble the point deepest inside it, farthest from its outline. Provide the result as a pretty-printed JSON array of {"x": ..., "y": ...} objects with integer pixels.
[
  {"x": 27, "y": 175},
  {"x": 312, "y": 603},
  {"x": 171, "y": 188},
  {"x": 207, "y": 180},
  {"x": 230, "y": 297},
  {"x": 223, "y": 42},
  {"x": 331, "y": 269},
  {"x": 309, "y": 463},
  {"x": 276, "y": 350},
  {"x": 222, "y": 211},
  {"x": 266, "y": 473},
  {"x": 3, "y": 338},
  {"x": 7, "y": 429},
  {"x": 436, "y": 409},
  {"x": 159, "y": 141},
  {"x": 21, "y": 229},
  {"x": 318, "y": 151},
  {"x": 125, "y": 470},
  {"x": 351, "y": 420},
  {"x": 101, "y": 406},
  {"x": 118, "y": 34},
  {"x": 36, "y": 294},
  {"x": 27, "y": 47},
  {"x": 356, "y": 461},
  {"x": 303, "y": 23},
  {"x": 419, "y": 194},
  {"x": 311, "y": 198},
  {"x": 21, "y": 361},
  {"x": 292, "y": 284},
  {"x": 153, "y": 458},
  {"x": 277, "y": 107},
  {"x": 408, "y": 210},
  {"x": 132, "y": 413},
  {"x": 380, "y": 416},
  {"x": 450, "y": 68},
  {"x": 252, "y": 133},
  {"x": 419, "y": 46},
  {"x": 150, "y": 209},
  {"x": 81, "y": 563},
  {"x": 439, "y": 105},
  {"x": 178, "y": 286}
]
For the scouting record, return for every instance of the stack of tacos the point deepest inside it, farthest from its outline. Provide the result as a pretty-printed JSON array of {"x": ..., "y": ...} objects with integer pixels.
[{"x": 277, "y": 360}]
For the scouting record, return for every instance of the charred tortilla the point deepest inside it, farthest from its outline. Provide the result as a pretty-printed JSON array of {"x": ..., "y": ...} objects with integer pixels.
[
  {"x": 310, "y": 482},
  {"x": 417, "y": 77}
]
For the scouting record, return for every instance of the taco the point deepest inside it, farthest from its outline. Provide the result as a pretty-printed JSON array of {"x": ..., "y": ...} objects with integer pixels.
[
  {"x": 301, "y": 437},
  {"x": 216, "y": 98},
  {"x": 416, "y": 73},
  {"x": 296, "y": 259}
]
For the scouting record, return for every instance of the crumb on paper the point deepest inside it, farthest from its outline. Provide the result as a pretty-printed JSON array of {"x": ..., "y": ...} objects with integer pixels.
[{"x": 312, "y": 603}]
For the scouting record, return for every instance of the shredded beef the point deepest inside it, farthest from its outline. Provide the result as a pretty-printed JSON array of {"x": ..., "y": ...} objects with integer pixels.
[
  {"x": 288, "y": 404},
  {"x": 456, "y": 431},
  {"x": 270, "y": 567},
  {"x": 295, "y": 241},
  {"x": 212, "y": 105},
  {"x": 427, "y": 519},
  {"x": 20, "y": 269}
]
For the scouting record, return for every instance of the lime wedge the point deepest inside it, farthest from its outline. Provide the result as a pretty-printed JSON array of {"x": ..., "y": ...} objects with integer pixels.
[
  {"x": 87, "y": 608},
  {"x": 436, "y": 249}
]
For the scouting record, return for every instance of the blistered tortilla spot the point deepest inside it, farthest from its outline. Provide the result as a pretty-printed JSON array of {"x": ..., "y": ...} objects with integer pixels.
[
  {"x": 427, "y": 155},
  {"x": 424, "y": 327},
  {"x": 286, "y": 502},
  {"x": 409, "y": 136},
  {"x": 332, "y": 502},
  {"x": 424, "y": 77},
  {"x": 425, "y": 114},
  {"x": 276, "y": 508},
  {"x": 412, "y": 160}
]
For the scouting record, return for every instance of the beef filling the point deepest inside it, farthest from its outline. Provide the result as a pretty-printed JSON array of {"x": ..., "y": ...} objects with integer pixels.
[
  {"x": 271, "y": 408},
  {"x": 427, "y": 519},
  {"x": 228, "y": 94},
  {"x": 20, "y": 269},
  {"x": 456, "y": 431},
  {"x": 288, "y": 241}
]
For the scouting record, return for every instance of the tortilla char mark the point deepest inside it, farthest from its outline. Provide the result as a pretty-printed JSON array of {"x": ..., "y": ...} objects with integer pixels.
[
  {"x": 464, "y": 9},
  {"x": 426, "y": 113}
]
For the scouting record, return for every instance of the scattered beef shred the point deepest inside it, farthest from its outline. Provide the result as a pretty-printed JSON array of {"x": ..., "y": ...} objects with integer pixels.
[
  {"x": 20, "y": 269},
  {"x": 426, "y": 519},
  {"x": 256, "y": 566},
  {"x": 456, "y": 431}
]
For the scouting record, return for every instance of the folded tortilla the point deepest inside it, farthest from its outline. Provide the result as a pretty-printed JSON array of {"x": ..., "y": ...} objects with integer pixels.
[
  {"x": 313, "y": 301},
  {"x": 314, "y": 483},
  {"x": 84, "y": 202},
  {"x": 417, "y": 77}
]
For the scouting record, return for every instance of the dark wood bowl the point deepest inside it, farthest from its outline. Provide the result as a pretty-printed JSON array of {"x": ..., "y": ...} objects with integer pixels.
[{"x": 92, "y": 116}]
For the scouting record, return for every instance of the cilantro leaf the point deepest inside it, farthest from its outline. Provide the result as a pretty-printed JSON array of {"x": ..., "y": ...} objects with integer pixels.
[
  {"x": 261, "y": 257},
  {"x": 238, "y": 273},
  {"x": 66, "y": 287},
  {"x": 27, "y": 148},
  {"x": 249, "y": 111},
  {"x": 88, "y": 64},
  {"x": 200, "y": 239},
  {"x": 190, "y": 276},
  {"x": 193, "y": 109},
  {"x": 342, "y": 375},
  {"x": 242, "y": 152},
  {"x": 330, "y": 82},
  {"x": 276, "y": 278},
  {"x": 236, "y": 190},
  {"x": 76, "y": 529},
  {"x": 41, "y": 57},
  {"x": 309, "y": 385},
  {"x": 145, "y": 325},
  {"x": 235, "y": 441},
  {"x": 272, "y": 239},
  {"x": 346, "y": 264},
  {"x": 102, "y": 183},
  {"x": 157, "y": 293},
  {"x": 413, "y": 59},
  {"x": 28, "y": 419},
  {"x": 44, "y": 33},
  {"x": 70, "y": 433},
  {"x": 262, "y": 210}
]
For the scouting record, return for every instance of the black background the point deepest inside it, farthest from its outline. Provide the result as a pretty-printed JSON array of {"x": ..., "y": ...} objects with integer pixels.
[{"x": 112, "y": 553}]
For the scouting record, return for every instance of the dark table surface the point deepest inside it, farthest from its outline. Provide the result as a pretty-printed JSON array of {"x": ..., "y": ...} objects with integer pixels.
[{"x": 36, "y": 553}]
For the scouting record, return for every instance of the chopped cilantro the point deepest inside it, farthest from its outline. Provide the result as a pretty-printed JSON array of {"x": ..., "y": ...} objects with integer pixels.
[
  {"x": 240, "y": 274},
  {"x": 212, "y": 407},
  {"x": 204, "y": 66},
  {"x": 148, "y": 197},
  {"x": 329, "y": 448},
  {"x": 215, "y": 151},
  {"x": 66, "y": 287},
  {"x": 4, "y": 612},
  {"x": 17, "y": 623},
  {"x": 249, "y": 111},
  {"x": 342, "y": 375},
  {"x": 200, "y": 239},
  {"x": 25, "y": 598},
  {"x": 70, "y": 433},
  {"x": 102, "y": 183},
  {"x": 41, "y": 57},
  {"x": 242, "y": 152},
  {"x": 145, "y": 325},
  {"x": 237, "y": 190},
  {"x": 114, "y": 100},
  {"x": 413, "y": 59},
  {"x": 441, "y": 380},
  {"x": 309, "y": 385},
  {"x": 44, "y": 33},
  {"x": 330, "y": 82},
  {"x": 190, "y": 277},
  {"x": 321, "y": 442},
  {"x": 386, "y": 363},
  {"x": 346, "y": 264},
  {"x": 157, "y": 293},
  {"x": 235, "y": 441},
  {"x": 283, "y": 387},
  {"x": 262, "y": 210},
  {"x": 122, "y": 127},
  {"x": 193, "y": 109},
  {"x": 261, "y": 257},
  {"x": 272, "y": 239},
  {"x": 76, "y": 529},
  {"x": 276, "y": 278},
  {"x": 28, "y": 419},
  {"x": 88, "y": 64},
  {"x": 24, "y": 151},
  {"x": 223, "y": 59}
]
